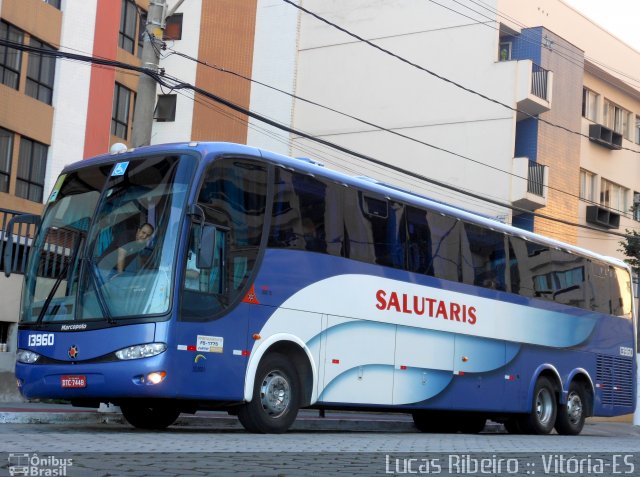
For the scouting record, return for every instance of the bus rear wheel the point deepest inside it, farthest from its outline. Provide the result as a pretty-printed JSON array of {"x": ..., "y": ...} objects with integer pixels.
[
  {"x": 544, "y": 409},
  {"x": 148, "y": 417},
  {"x": 276, "y": 397},
  {"x": 571, "y": 416}
]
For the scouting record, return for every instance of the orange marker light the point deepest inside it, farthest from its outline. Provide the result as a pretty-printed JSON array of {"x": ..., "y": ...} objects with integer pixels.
[{"x": 256, "y": 336}]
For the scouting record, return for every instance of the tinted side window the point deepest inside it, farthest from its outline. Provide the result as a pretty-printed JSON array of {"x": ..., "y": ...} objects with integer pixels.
[
  {"x": 418, "y": 246},
  {"x": 600, "y": 288},
  {"x": 569, "y": 275},
  {"x": 448, "y": 241},
  {"x": 621, "y": 296},
  {"x": 307, "y": 214},
  {"x": 233, "y": 198},
  {"x": 375, "y": 228},
  {"x": 488, "y": 257}
]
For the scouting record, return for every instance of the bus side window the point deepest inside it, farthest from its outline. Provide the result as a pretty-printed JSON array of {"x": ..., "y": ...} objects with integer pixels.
[
  {"x": 307, "y": 214},
  {"x": 621, "y": 296},
  {"x": 488, "y": 257},
  {"x": 569, "y": 275},
  {"x": 233, "y": 197},
  {"x": 600, "y": 288},
  {"x": 447, "y": 245},
  {"x": 418, "y": 242}
]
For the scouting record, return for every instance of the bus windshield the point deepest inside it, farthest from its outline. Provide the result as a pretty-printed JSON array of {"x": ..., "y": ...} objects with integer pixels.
[{"x": 107, "y": 244}]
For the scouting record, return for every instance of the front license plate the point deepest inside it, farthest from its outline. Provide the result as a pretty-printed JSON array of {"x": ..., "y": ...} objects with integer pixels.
[{"x": 73, "y": 381}]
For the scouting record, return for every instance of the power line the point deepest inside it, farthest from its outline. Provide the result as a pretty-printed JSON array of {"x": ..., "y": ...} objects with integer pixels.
[
  {"x": 368, "y": 123},
  {"x": 176, "y": 84},
  {"x": 497, "y": 12},
  {"x": 317, "y": 154},
  {"x": 440, "y": 77},
  {"x": 577, "y": 60}
]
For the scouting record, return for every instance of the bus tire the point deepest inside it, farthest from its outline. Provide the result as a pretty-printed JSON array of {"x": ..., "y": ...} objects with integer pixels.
[
  {"x": 276, "y": 397},
  {"x": 147, "y": 417},
  {"x": 544, "y": 408},
  {"x": 571, "y": 416}
]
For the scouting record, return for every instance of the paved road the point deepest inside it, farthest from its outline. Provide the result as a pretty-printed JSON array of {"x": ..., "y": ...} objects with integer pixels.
[{"x": 117, "y": 449}]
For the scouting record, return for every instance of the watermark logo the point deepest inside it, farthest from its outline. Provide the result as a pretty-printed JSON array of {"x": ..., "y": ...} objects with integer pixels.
[{"x": 34, "y": 465}]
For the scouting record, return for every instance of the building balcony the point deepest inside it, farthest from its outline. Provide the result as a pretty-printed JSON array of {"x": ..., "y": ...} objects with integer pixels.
[
  {"x": 530, "y": 194},
  {"x": 533, "y": 89}
]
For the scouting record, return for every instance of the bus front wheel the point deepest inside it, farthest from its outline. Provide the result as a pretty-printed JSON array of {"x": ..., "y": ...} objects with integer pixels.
[
  {"x": 544, "y": 409},
  {"x": 276, "y": 397},
  {"x": 571, "y": 416},
  {"x": 149, "y": 417}
]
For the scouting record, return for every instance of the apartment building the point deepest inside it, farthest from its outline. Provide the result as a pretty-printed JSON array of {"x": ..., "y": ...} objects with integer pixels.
[{"x": 607, "y": 179}]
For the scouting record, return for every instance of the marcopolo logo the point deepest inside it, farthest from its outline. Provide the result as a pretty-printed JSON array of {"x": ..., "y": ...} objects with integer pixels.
[{"x": 35, "y": 465}]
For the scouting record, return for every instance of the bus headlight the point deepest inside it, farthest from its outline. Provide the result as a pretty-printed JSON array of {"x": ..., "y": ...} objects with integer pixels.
[
  {"x": 141, "y": 351},
  {"x": 26, "y": 357}
]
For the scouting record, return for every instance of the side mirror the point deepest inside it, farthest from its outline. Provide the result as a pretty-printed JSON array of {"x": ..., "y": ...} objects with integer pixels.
[
  {"x": 26, "y": 219},
  {"x": 206, "y": 247}
]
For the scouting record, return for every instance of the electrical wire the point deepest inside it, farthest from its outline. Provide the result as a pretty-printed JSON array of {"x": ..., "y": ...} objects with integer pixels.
[
  {"x": 177, "y": 84},
  {"x": 368, "y": 123},
  {"x": 436, "y": 75}
]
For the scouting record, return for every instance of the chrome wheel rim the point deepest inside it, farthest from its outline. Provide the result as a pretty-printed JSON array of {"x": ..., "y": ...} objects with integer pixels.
[
  {"x": 574, "y": 407},
  {"x": 544, "y": 406},
  {"x": 275, "y": 394}
]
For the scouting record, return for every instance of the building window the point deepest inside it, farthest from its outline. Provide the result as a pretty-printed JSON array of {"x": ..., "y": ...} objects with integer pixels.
[
  {"x": 173, "y": 29},
  {"x": 504, "y": 51},
  {"x": 166, "y": 108},
  {"x": 142, "y": 27},
  {"x": 53, "y": 3},
  {"x": 40, "y": 73},
  {"x": 128, "y": 24},
  {"x": 6, "y": 155},
  {"x": 614, "y": 196},
  {"x": 10, "y": 58},
  {"x": 636, "y": 206},
  {"x": 120, "y": 117},
  {"x": 587, "y": 185},
  {"x": 32, "y": 165},
  {"x": 589, "y": 104},
  {"x": 637, "y": 129},
  {"x": 617, "y": 118}
]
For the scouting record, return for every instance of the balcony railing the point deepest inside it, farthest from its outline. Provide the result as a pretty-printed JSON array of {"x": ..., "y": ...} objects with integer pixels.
[
  {"x": 22, "y": 236},
  {"x": 539, "y": 82},
  {"x": 535, "y": 179}
]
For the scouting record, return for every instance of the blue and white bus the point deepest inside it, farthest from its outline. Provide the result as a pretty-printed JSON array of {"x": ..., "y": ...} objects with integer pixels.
[{"x": 183, "y": 277}]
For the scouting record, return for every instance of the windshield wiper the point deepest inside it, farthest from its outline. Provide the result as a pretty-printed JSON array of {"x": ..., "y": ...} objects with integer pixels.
[
  {"x": 47, "y": 301},
  {"x": 56, "y": 284},
  {"x": 95, "y": 280}
]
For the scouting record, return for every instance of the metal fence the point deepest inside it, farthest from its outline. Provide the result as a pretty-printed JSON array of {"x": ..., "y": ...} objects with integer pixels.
[
  {"x": 22, "y": 237},
  {"x": 539, "y": 78},
  {"x": 56, "y": 249},
  {"x": 535, "y": 179}
]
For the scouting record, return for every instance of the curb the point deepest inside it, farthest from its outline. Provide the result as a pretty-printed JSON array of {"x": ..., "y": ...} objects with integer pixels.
[{"x": 223, "y": 422}]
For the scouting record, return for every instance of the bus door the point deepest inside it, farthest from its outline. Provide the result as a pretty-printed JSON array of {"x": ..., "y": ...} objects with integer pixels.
[{"x": 226, "y": 232}]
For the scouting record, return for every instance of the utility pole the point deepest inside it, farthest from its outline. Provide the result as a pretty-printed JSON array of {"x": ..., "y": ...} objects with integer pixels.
[{"x": 146, "y": 95}]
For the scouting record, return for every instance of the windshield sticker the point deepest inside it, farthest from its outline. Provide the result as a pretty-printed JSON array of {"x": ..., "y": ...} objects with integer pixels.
[
  {"x": 120, "y": 169},
  {"x": 209, "y": 344},
  {"x": 56, "y": 188}
]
